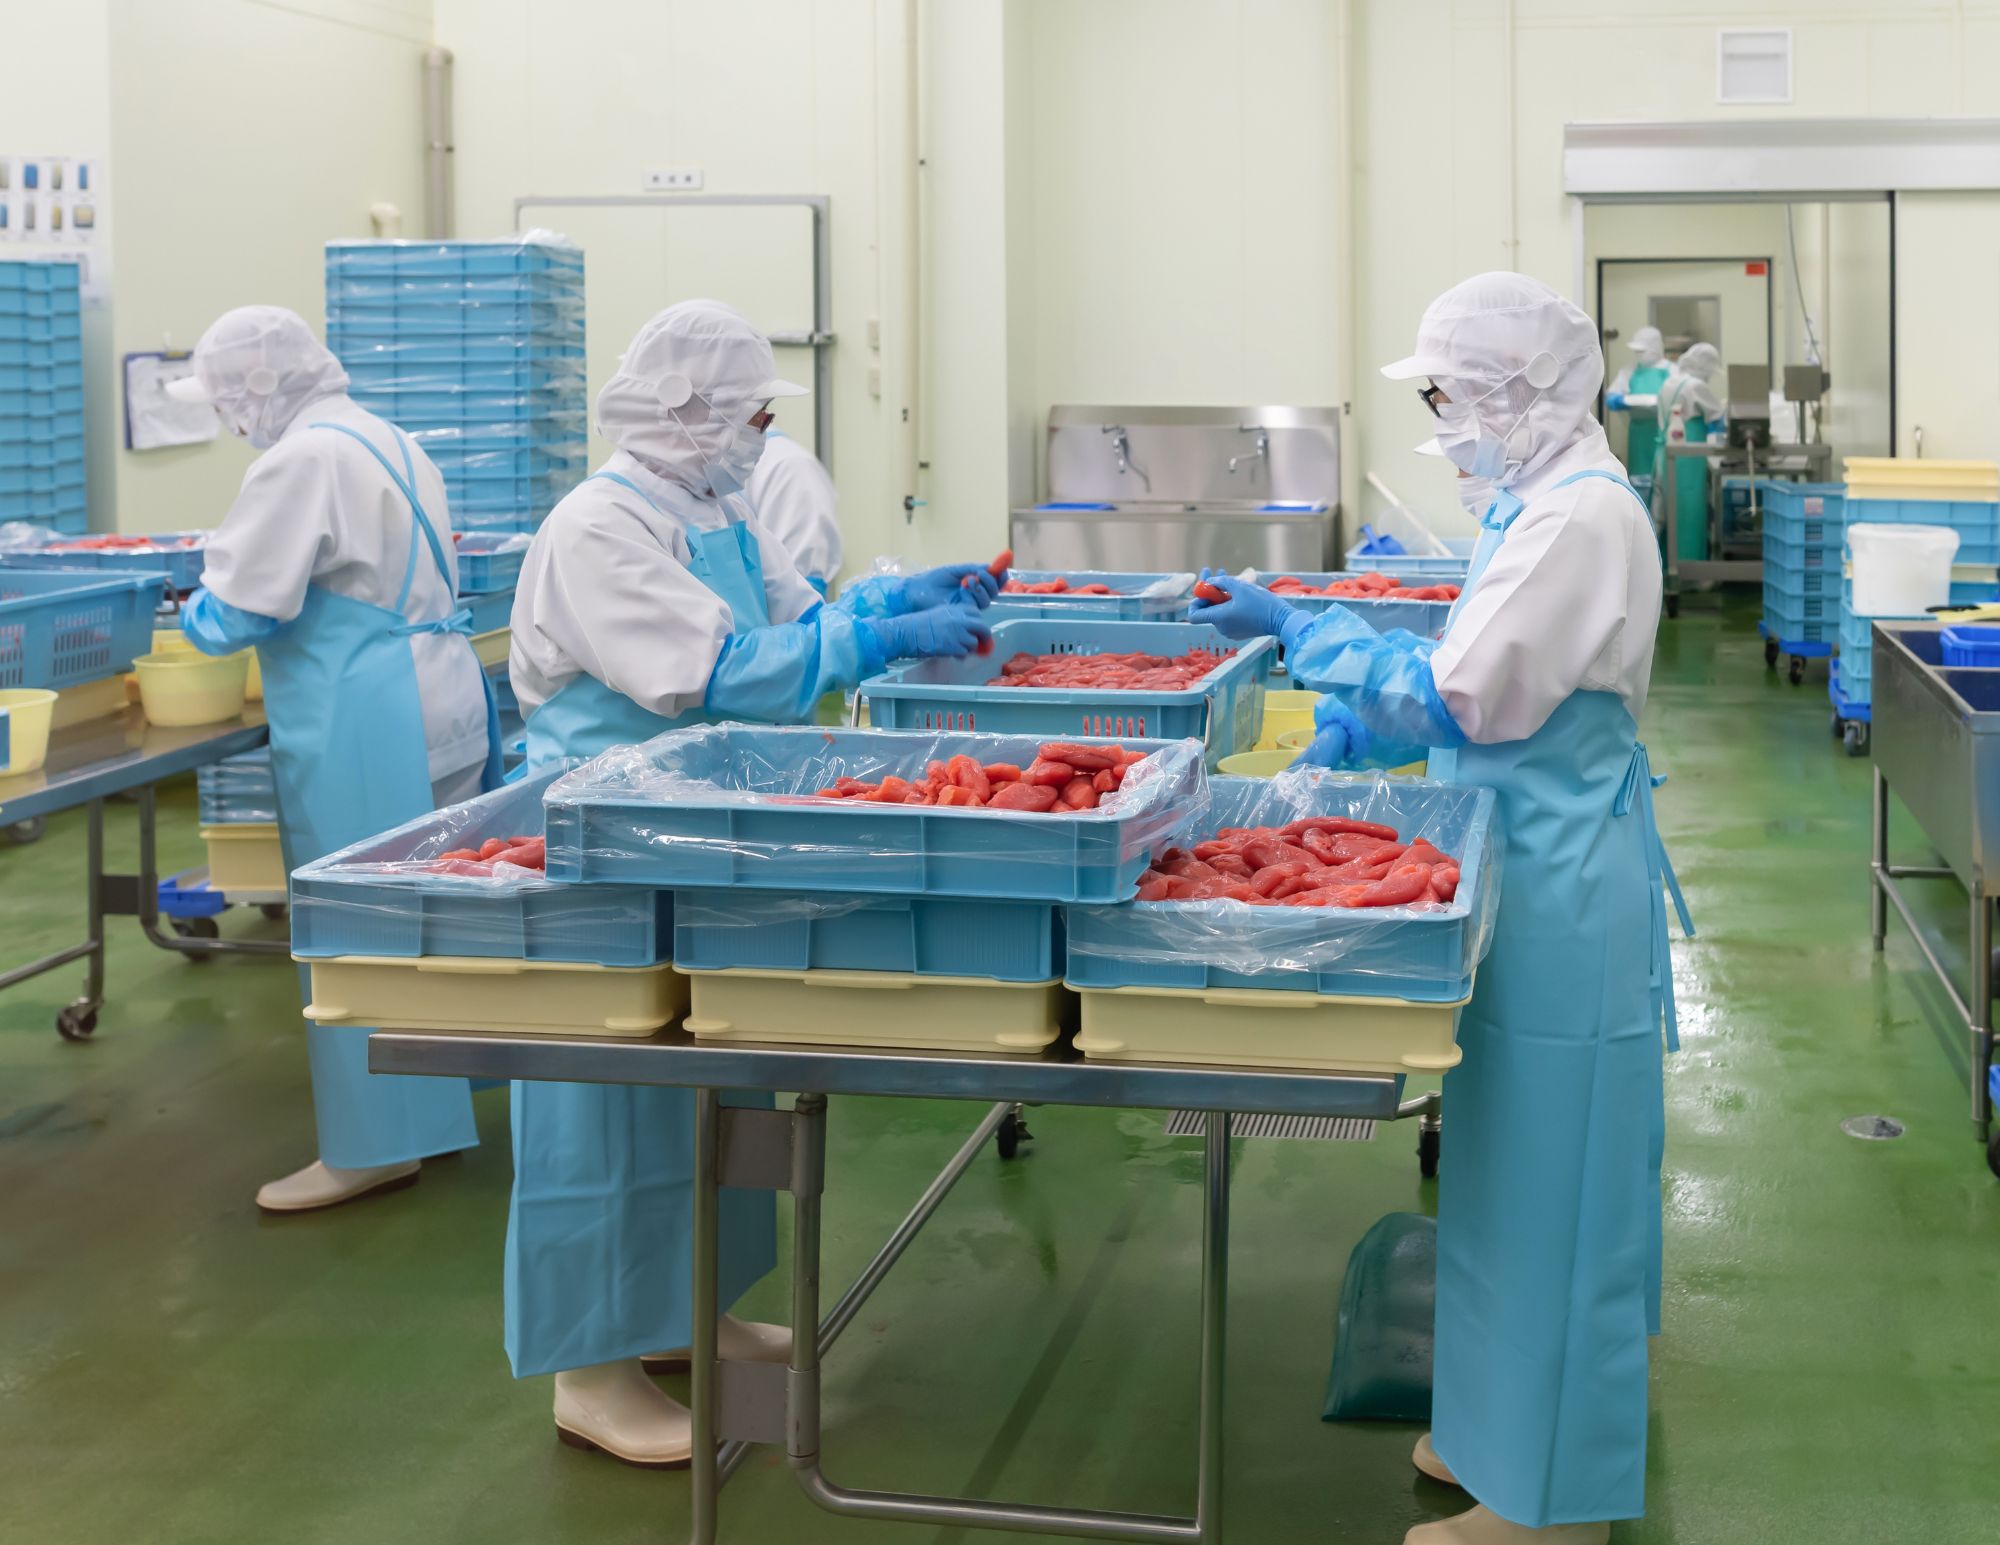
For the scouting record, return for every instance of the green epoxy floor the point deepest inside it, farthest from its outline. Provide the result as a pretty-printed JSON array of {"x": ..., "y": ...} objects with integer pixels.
[{"x": 175, "y": 1368}]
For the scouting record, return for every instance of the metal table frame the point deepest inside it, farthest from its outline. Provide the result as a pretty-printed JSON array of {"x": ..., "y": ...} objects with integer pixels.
[
  {"x": 87, "y": 764},
  {"x": 738, "y": 1404},
  {"x": 1812, "y": 460}
]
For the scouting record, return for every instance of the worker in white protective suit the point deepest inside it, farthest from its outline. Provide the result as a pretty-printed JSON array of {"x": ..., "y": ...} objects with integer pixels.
[
  {"x": 794, "y": 500},
  {"x": 1688, "y": 413},
  {"x": 1634, "y": 391},
  {"x": 651, "y": 598},
  {"x": 1549, "y": 1197},
  {"x": 336, "y": 562}
]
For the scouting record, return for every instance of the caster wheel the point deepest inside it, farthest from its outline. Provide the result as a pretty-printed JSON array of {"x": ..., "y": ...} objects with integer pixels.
[
  {"x": 1856, "y": 736},
  {"x": 1427, "y": 1153},
  {"x": 195, "y": 927},
  {"x": 1839, "y": 727},
  {"x": 21, "y": 833},
  {"x": 1011, "y": 1133},
  {"x": 1993, "y": 1154},
  {"x": 1673, "y": 605},
  {"x": 76, "y": 1021},
  {"x": 1796, "y": 673},
  {"x": 1770, "y": 654},
  {"x": 274, "y": 910}
]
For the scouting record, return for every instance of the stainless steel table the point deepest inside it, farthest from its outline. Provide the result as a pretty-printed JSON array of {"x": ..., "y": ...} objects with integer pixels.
[
  {"x": 737, "y": 1404},
  {"x": 87, "y": 764}
]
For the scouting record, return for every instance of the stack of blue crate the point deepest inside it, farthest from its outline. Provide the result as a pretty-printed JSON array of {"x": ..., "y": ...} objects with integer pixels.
[
  {"x": 1803, "y": 528},
  {"x": 41, "y": 395},
  {"x": 475, "y": 349}
]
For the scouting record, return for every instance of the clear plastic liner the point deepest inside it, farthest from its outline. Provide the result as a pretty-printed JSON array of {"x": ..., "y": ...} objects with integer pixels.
[
  {"x": 1426, "y": 952},
  {"x": 388, "y": 896},
  {"x": 238, "y": 790},
  {"x": 491, "y": 546},
  {"x": 25, "y": 535},
  {"x": 727, "y": 805}
]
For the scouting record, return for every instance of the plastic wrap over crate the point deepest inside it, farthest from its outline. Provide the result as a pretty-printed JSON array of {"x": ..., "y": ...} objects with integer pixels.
[
  {"x": 238, "y": 790},
  {"x": 180, "y": 555},
  {"x": 487, "y": 562},
  {"x": 1145, "y": 597},
  {"x": 1422, "y": 954},
  {"x": 728, "y": 805},
  {"x": 388, "y": 896}
]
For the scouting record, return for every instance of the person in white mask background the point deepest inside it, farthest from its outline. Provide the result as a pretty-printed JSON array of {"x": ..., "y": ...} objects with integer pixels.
[
  {"x": 1548, "y": 1270},
  {"x": 794, "y": 499},
  {"x": 652, "y": 598},
  {"x": 336, "y": 562},
  {"x": 1688, "y": 412},
  {"x": 1634, "y": 392}
]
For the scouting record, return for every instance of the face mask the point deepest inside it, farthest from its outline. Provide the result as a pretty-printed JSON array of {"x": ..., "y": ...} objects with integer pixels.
[
  {"x": 1475, "y": 494},
  {"x": 739, "y": 458},
  {"x": 1474, "y": 450}
]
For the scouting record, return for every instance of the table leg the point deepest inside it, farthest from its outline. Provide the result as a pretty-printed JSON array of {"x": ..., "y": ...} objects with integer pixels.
[
  {"x": 1214, "y": 1327},
  {"x": 1878, "y": 903},
  {"x": 93, "y": 987},
  {"x": 1980, "y": 1009},
  {"x": 702, "y": 1333}
]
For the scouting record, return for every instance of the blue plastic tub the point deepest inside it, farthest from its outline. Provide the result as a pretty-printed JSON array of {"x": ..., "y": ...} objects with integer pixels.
[
  {"x": 1791, "y": 631},
  {"x": 1797, "y": 585},
  {"x": 370, "y": 899},
  {"x": 24, "y": 274},
  {"x": 18, "y": 377},
  {"x": 1425, "y": 956},
  {"x": 1850, "y": 702},
  {"x": 1799, "y": 612},
  {"x": 1782, "y": 552},
  {"x": 1225, "y": 710},
  {"x": 60, "y": 627},
  {"x": 388, "y": 378},
  {"x": 1170, "y": 604},
  {"x": 1009, "y": 941},
  {"x": 182, "y": 566},
  {"x": 189, "y": 895},
  {"x": 474, "y": 466},
  {"x": 481, "y": 570},
  {"x": 451, "y": 259},
  {"x": 238, "y": 790},
  {"x": 491, "y": 609},
  {"x": 1974, "y": 644},
  {"x": 731, "y": 805},
  {"x": 42, "y": 353},
  {"x": 1426, "y": 619},
  {"x": 66, "y": 509}
]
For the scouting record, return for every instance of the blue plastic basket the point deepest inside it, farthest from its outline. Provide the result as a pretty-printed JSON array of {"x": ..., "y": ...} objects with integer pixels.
[
  {"x": 491, "y": 609},
  {"x": 182, "y": 566},
  {"x": 340, "y": 909},
  {"x": 26, "y": 274},
  {"x": 739, "y": 814},
  {"x": 1783, "y": 552},
  {"x": 1804, "y": 648},
  {"x": 59, "y": 627},
  {"x": 1225, "y": 710},
  {"x": 42, "y": 354},
  {"x": 238, "y": 790},
  {"x": 1797, "y": 585},
  {"x": 1008, "y": 941},
  {"x": 188, "y": 894},
  {"x": 481, "y": 570},
  {"x": 451, "y": 259},
  {"x": 422, "y": 355},
  {"x": 1839, "y": 689},
  {"x": 1973, "y": 644},
  {"x": 1428, "y": 958},
  {"x": 18, "y": 377},
  {"x": 1792, "y": 631},
  {"x": 61, "y": 410},
  {"x": 1125, "y": 605},
  {"x": 1426, "y": 619},
  {"x": 475, "y": 464},
  {"x": 1799, "y": 612},
  {"x": 64, "y": 508},
  {"x": 49, "y": 435}
]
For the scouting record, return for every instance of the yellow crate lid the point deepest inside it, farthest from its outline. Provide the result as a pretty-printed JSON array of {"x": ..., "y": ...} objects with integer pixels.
[{"x": 1908, "y": 477}]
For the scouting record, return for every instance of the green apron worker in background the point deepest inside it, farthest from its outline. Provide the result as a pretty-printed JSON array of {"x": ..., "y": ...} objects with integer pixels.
[
  {"x": 1643, "y": 379},
  {"x": 1688, "y": 410}
]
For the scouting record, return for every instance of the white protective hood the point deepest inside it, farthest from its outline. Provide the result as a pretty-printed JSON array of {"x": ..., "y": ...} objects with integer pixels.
[{"x": 258, "y": 365}]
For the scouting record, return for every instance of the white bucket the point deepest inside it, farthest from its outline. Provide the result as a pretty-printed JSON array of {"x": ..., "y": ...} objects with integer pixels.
[{"x": 1900, "y": 571}]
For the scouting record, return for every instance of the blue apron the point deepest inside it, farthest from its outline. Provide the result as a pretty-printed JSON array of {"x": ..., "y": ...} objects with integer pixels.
[
  {"x": 349, "y": 760},
  {"x": 1549, "y": 1201},
  {"x": 599, "y": 1260}
]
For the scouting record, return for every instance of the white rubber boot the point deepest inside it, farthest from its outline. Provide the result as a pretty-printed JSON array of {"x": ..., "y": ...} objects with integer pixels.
[
  {"x": 1426, "y": 1459},
  {"x": 1482, "y": 1526},
  {"x": 321, "y": 1185},
  {"x": 737, "y": 1341},
  {"x": 615, "y": 1409}
]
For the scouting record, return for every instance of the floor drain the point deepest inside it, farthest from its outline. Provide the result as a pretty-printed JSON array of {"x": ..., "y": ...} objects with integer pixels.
[{"x": 1872, "y": 1129}]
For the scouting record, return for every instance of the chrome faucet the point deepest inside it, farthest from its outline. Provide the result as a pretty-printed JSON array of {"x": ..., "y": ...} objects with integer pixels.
[
  {"x": 1121, "y": 447},
  {"x": 1261, "y": 453}
]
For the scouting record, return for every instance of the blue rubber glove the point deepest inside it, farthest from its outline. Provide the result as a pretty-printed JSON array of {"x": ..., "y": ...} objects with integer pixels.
[
  {"x": 950, "y": 631},
  {"x": 1614, "y": 400},
  {"x": 1250, "y": 612},
  {"x": 775, "y": 674},
  {"x": 935, "y": 587},
  {"x": 213, "y": 626},
  {"x": 1382, "y": 681},
  {"x": 1342, "y": 739}
]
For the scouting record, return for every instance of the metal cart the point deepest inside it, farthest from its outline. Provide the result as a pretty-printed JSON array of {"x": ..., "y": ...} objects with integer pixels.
[
  {"x": 738, "y": 1404},
  {"x": 1938, "y": 748},
  {"x": 87, "y": 764},
  {"x": 1809, "y": 462}
]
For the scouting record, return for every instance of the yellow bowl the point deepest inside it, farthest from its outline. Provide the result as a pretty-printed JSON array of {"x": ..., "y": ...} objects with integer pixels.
[
  {"x": 174, "y": 641},
  {"x": 1296, "y": 740},
  {"x": 186, "y": 689},
  {"x": 1256, "y": 764},
  {"x": 1285, "y": 711},
  {"x": 29, "y": 712}
]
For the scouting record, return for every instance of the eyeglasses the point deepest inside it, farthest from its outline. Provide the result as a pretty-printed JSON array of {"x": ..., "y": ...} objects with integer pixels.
[
  {"x": 1431, "y": 396},
  {"x": 761, "y": 419}
]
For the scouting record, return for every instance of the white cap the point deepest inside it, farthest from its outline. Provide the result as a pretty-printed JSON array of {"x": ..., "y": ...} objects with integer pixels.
[{"x": 1490, "y": 327}]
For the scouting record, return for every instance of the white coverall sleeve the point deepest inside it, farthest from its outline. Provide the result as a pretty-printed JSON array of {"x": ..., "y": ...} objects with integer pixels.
[
  {"x": 277, "y": 535},
  {"x": 785, "y": 589},
  {"x": 1550, "y": 603}
]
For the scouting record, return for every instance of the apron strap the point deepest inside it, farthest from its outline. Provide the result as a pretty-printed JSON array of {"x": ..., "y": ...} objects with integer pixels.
[
  {"x": 625, "y": 482},
  {"x": 459, "y": 621},
  {"x": 1636, "y": 793},
  {"x": 406, "y": 482}
]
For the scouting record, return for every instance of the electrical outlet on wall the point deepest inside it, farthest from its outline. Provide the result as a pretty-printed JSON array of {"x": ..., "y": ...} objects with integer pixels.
[{"x": 675, "y": 179}]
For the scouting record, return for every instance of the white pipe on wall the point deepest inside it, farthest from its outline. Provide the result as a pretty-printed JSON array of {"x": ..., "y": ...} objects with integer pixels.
[
  {"x": 439, "y": 183},
  {"x": 1513, "y": 242}
]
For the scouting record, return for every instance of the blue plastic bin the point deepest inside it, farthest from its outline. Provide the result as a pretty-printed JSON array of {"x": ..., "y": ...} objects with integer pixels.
[
  {"x": 1429, "y": 957},
  {"x": 491, "y": 609},
  {"x": 351, "y": 903},
  {"x": 1974, "y": 644},
  {"x": 1009, "y": 941},
  {"x": 1426, "y": 619},
  {"x": 1225, "y": 710},
  {"x": 182, "y": 566},
  {"x": 189, "y": 895},
  {"x": 32, "y": 274},
  {"x": 1127, "y": 605},
  {"x": 1430, "y": 566},
  {"x": 481, "y": 570},
  {"x": 731, "y": 805},
  {"x": 1796, "y": 585},
  {"x": 60, "y": 627},
  {"x": 238, "y": 790}
]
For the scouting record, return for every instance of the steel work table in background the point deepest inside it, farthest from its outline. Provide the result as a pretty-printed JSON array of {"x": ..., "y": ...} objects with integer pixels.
[
  {"x": 87, "y": 764},
  {"x": 739, "y": 1404}
]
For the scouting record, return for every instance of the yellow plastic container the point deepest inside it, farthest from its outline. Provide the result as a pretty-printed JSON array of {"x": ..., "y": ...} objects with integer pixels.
[
  {"x": 184, "y": 689},
  {"x": 1233, "y": 1027},
  {"x": 876, "y": 1008},
  {"x": 1904, "y": 477},
  {"x": 30, "y": 713},
  {"x": 174, "y": 641},
  {"x": 1257, "y": 764},
  {"x": 520, "y": 997},
  {"x": 491, "y": 647},
  {"x": 246, "y": 859},
  {"x": 1285, "y": 712}
]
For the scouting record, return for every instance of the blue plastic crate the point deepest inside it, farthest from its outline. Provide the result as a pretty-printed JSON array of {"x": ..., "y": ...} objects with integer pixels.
[
  {"x": 1426, "y": 619},
  {"x": 444, "y": 404},
  {"x": 392, "y": 380},
  {"x": 66, "y": 509},
  {"x": 49, "y": 434},
  {"x": 1849, "y": 701},
  {"x": 1125, "y": 605},
  {"x": 420, "y": 355},
  {"x": 1971, "y": 644},
  {"x": 1225, "y": 709},
  {"x": 374, "y": 899},
  {"x": 446, "y": 259},
  {"x": 1824, "y": 553},
  {"x": 1977, "y": 521},
  {"x": 238, "y": 790},
  {"x": 1817, "y": 648},
  {"x": 31, "y": 481},
  {"x": 182, "y": 566},
  {"x": 54, "y": 304},
  {"x": 1798, "y": 585},
  {"x": 346, "y": 287},
  {"x": 558, "y": 321},
  {"x": 26, "y": 274},
  {"x": 62, "y": 627},
  {"x": 1427, "y": 956},
  {"x": 481, "y": 570},
  {"x": 1792, "y": 631},
  {"x": 490, "y": 610},
  {"x": 64, "y": 407},
  {"x": 731, "y": 805},
  {"x": 1797, "y": 613},
  {"x": 1008, "y": 941},
  {"x": 21, "y": 377},
  {"x": 41, "y": 355},
  {"x": 532, "y": 462},
  {"x": 189, "y": 895}
]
